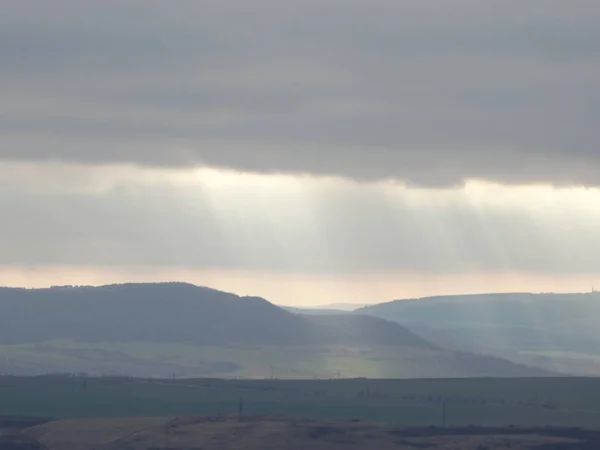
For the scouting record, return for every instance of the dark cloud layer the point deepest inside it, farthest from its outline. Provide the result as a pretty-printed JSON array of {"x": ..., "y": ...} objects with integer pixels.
[{"x": 426, "y": 92}]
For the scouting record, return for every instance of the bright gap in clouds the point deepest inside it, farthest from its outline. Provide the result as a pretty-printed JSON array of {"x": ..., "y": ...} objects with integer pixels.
[
  {"x": 293, "y": 239},
  {"x": 539, "y": 197}
]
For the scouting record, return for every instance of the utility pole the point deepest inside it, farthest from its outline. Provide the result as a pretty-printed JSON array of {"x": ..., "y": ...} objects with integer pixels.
[
  {"x": 444, "y": 422},
  {"x": 167, "y": 429},
  {"x": 240, "y": 409}
]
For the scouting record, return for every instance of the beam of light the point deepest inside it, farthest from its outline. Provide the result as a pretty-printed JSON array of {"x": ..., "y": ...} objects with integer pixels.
[{"x": 332, "y": 234}]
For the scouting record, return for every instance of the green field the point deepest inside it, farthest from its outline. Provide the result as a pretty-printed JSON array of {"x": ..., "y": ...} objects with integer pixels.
[
  {"x": 494, "y": 402},
  {"x": 201, "y": 361}
]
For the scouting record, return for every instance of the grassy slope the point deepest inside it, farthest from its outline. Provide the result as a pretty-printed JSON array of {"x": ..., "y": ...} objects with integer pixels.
[{"x": 409, "y": 402}]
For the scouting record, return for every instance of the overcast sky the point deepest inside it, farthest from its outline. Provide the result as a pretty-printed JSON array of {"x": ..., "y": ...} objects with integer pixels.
[{"x": 307, "y": 151}]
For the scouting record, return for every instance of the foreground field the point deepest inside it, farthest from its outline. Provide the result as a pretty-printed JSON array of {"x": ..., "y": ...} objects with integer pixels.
[
  {"x": 270, "y": 433},
  {"x": 564, "y": 402}
]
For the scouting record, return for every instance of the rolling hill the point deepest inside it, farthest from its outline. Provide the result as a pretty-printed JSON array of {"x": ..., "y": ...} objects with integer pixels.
[
  {"x": 184, "y": 330},
  {"x": 511, "y": 309},
  {"x": 554, "y": 331},
  {"x": 182, "y": 313}
]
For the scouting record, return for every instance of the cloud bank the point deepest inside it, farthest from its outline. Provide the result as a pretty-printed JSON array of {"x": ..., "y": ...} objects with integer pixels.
[{"x": 428, "y": 93}]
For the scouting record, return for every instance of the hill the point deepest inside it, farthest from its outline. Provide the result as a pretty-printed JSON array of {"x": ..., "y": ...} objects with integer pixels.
[
  {"x": 182, "y": 313},
  {"x": 510, "y": 309},
  {"x": 176, "y": 328},
  {"x": 557, "y": 331}
]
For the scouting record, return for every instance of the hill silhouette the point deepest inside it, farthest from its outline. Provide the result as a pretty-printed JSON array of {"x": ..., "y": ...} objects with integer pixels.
[
  {"x": 179, "y": 312},
  {"x": 558, "y": 331},
  {"x": 167, "y": 328},
  {"x": 506, "y": 309}
]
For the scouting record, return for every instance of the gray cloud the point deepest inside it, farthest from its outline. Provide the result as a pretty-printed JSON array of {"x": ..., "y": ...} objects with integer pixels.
[{"x": 429, "y": 93}]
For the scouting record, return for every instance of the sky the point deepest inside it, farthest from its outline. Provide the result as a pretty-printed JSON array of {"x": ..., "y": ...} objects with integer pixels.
[{"x": 311, "y": 152}]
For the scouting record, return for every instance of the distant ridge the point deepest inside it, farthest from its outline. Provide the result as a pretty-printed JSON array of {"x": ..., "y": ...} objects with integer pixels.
[
  {"x": 340, "y": 306},
  {"x": 554, "y": 331},
  {"x": 515, "y": 308}
]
